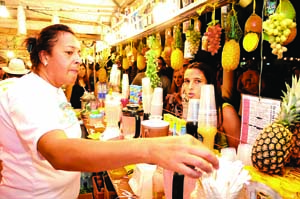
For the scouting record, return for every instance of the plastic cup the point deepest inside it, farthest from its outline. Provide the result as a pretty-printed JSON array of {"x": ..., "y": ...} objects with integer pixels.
[
  {"x": 146, "y": 99},
  {"x": 146, "y": 86},
  {"x": 208, "y": 118},
  {"x": 193, "y": 110},
  {"x": 244, "y": 154},
  {"x": 207, "y": 98},
  {"x": 157, "y": 97},
  {"x": 156, "y": 109},
  {"x": 229, "y": 153}
]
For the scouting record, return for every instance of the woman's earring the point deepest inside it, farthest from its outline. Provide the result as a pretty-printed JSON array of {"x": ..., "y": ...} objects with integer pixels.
[{"x": 46, "y": 63}]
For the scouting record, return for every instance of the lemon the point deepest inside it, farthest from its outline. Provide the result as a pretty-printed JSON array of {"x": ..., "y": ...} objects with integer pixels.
[{"x": 250, "y": 41}]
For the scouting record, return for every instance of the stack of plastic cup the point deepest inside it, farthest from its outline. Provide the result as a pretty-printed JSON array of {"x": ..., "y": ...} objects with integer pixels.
[
  {"x": 244, "y": 153},
  {"x": 229, "y": 153},
  {"x": 193, "y": 110},
  {"x": 207, "y": 117},
  {"x": 207, "y": 106},
  {"x": 157, "y": 102}
]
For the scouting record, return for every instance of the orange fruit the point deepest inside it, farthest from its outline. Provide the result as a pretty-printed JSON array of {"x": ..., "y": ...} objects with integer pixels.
[{"x": 291, "y": 36}]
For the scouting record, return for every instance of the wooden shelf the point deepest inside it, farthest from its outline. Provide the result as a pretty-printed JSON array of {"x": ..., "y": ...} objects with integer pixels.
[{"x": 182, "y": 15}]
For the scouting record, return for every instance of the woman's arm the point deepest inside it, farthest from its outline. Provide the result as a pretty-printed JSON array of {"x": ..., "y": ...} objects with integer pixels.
[
  {"x": 178, "y": 153},
  {"x": 231, "y": 125}
]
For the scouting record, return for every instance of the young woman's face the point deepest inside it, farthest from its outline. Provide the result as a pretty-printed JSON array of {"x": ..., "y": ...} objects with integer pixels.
[
  {"x": 64, "y": 60},
  {"x": 193, "y": 79},
  {"x": 81, "y": 71},
  {"x": 178, "y": 78}
]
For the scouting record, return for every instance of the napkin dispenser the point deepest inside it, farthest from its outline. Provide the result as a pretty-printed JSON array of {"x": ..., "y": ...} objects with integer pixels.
[{"x": 141, "y": 180}]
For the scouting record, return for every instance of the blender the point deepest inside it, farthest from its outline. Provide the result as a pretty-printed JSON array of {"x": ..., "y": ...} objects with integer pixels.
[{"x": 112, "y": 114}]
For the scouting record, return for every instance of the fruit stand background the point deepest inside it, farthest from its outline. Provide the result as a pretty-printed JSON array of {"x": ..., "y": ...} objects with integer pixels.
[{"x": 275, "y": 72}]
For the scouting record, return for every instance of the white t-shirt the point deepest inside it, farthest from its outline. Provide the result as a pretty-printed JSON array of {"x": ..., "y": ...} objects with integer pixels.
[{"x": 29, "y": 108}]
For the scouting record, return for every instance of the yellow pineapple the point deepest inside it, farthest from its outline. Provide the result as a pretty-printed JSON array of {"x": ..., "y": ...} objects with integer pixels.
[
  {"x": 102, "y": 75},
  {"x": 279, "y": 142},
  {"x": 231, "y": 55},
  {"x": 125, "y": 63},
  {"x": 177, "y": 59},
  {"x": 141, "y": 62}
]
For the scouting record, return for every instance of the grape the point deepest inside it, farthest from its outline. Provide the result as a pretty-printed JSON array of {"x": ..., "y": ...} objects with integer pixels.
[
  {"x": 213, "y": 34},
  {"x": 278, "y": 28},
  {"x": 194, "y": 39}
]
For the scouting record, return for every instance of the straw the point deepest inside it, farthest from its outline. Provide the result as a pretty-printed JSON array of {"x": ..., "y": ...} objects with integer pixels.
[{"x": 227, "y": 182}]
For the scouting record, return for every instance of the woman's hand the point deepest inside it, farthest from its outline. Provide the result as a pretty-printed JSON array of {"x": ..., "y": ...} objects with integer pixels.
[
  {"x": 183, "y": 154},
  {"x": 177, "y": 98}
]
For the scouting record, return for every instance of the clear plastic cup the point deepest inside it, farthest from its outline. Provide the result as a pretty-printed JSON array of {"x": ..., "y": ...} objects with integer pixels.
[
  {"x": 208, "y": 118},
  {"x": 229, "y": 153},
  {"x": 156, "y": 109},
  {"x": 207, "y": 98},
  {"x": 244, "y": 154},
  {"x": 193, "y": 109},
  {"x": 157, "y": 97},
  {"x": 146, "y": 86}
]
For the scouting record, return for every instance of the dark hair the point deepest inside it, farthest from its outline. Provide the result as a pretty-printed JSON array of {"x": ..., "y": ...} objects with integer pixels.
[
  {"x": 44, "y": 41},
  {"x": 207, "y": 70},
  {"x": 162, "y": 61}
]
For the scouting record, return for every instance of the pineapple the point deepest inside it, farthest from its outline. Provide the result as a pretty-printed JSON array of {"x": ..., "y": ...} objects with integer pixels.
[
  {"x": 125, "y": 63},
  {"x": 279, "y": 142},
  {"x": 177, "y": 54},
  {"x": 231, "y": 55},
  {"x": 271, "y": 149},
  {"x": 141, "y": 62},
  {"x": 294, "y": 93},
  {"x": 177, "y": 59}
]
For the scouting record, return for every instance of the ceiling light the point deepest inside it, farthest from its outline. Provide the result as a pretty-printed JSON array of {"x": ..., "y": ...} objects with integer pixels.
[
  {"x": 55, "y": 18},
  {"x": 10, "y": 54},
  {"x": 21, "y": 21},
  {"x": 3, "y": 10}
]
